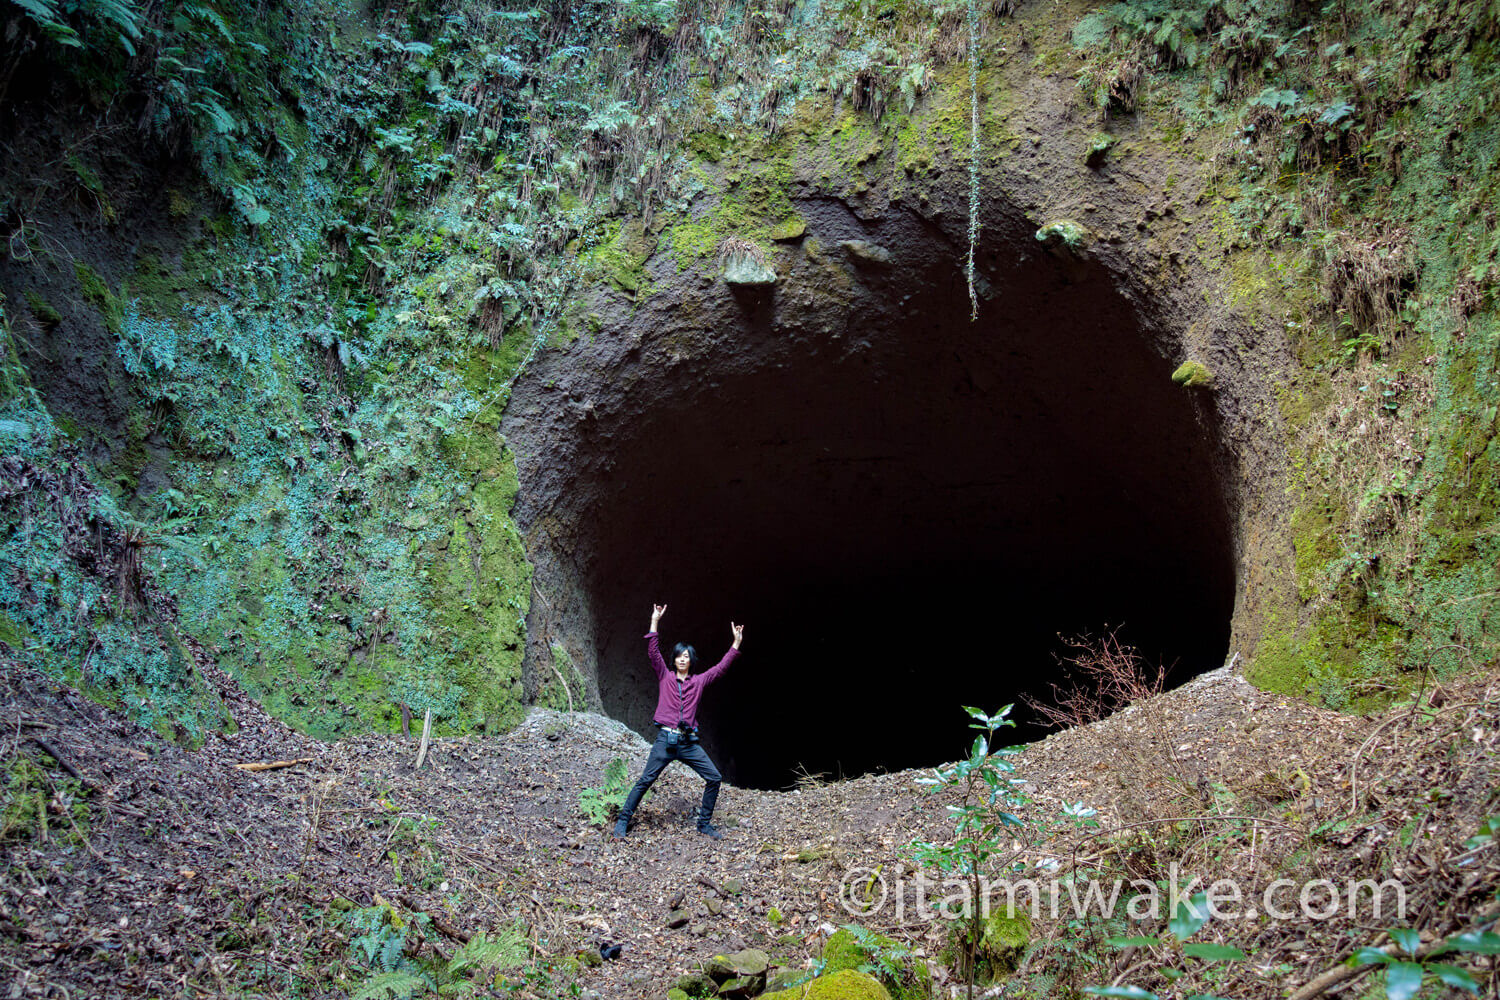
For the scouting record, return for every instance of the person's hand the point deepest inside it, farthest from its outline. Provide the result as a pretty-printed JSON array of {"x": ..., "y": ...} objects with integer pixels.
[
  {"x": 739, "y": 633},
  {"x": 657, "y": 610}
]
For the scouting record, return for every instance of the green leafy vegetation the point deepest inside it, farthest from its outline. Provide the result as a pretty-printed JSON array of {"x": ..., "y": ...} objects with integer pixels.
[
  {"x": 388, "y": 944},
  {"x": 602, "y": 804},
  {"x": 1363, "y": 155},
  {"x": 389, "y": 214}
]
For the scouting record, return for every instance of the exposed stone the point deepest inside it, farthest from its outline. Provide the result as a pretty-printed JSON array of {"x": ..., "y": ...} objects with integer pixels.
[
  {"x": 865, "y": 252},
  {"x": 743, "y": 269},
  {"x": 750, "y": 962}
]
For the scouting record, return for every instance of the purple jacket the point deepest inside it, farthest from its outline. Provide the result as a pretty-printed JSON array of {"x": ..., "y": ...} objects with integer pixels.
[{"x": 670, "y": 707}]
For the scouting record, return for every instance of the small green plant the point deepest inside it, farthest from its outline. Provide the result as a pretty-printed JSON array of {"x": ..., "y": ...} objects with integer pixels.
[
  {"x": 30, "y": 801},
  {"x": 602, "y": 804},
  {"x": 985, "y": 818},
  {"x": 1189, "y": 918},
  {"x": 390, "y": 948},
  {"x": 1409, "y": 966},
  {"x": 884, "y": 958}
]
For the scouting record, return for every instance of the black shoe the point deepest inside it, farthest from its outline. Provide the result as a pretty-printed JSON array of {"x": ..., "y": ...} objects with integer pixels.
[
  {"x": 621, "y": 829},
  {"x": 709, "y": 830}
]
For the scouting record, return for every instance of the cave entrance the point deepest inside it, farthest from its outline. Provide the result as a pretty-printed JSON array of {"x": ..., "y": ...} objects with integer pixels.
[{"x": 904, "y": 507}]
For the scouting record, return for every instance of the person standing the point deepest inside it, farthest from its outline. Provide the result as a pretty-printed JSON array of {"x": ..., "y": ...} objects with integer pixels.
[{"x": 678, "y": 692}]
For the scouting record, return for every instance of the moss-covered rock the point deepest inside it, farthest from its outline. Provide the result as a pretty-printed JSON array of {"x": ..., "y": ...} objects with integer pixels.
[
  {"x": 845, "y": 951},
  {"x": 749, "y": 962},
  {"x": 696, "y": 984},
  {"x": 1193, "y": 375},
  {"x": 745, "y": 269},
  {"x": 1063, "y": 234},
  {"x": 1100, "y": 143},
  {"x": 848, "y": 984},
  {"x": 1002, "y": 940}
]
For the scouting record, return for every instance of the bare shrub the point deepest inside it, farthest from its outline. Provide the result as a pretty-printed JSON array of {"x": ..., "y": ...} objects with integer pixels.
[{"x": 1101, "y": 675}]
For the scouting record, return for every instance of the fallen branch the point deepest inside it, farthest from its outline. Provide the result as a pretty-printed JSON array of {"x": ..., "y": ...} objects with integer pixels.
[
  {"x": 1343, "y": 973},
  {"x": 62, "y": 762},
  {"x": 426, "y": 732},
  {"x": 272, "y": 765}
]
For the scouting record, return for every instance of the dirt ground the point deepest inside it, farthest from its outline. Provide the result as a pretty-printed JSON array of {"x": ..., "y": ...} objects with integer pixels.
[{"x": 179, "y": 874}]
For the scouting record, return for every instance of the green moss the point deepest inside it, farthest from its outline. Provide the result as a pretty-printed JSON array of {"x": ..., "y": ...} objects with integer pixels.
[
  {"x": 42, "y": 309},
  {"x": 124, "y": 469},
  {"x": 843, "y": 950},
  {"x": 1193, "y": 375},
  {"x": 159, "y": 289},
  {"x": 756, "y": 207},
  {"x": 1337, "y": 660},
  {"x": 848, "y": 984},
  {"x": 708, "y": 146},
  {"x": 17, "y": 637},
  {"x": 1064, "y": 232},
  {"x": 95, "y": 291},
  {"x": 24, "y": 814},
  {"x": 621, "y": 257},
  {"x": 1002, "y": 939},
  {"x": 1099, "y": 145}
]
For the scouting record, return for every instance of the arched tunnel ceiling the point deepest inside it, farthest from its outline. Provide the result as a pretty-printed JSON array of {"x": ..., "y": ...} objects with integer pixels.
[{"x": 904, "y": 506}]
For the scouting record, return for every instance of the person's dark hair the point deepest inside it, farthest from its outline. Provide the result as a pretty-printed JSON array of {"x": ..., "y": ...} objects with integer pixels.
[{"x": 692, "y": 653}]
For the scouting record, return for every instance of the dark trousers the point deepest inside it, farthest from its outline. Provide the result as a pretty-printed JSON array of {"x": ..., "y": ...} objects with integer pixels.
[{"x": 662, "y": 754}]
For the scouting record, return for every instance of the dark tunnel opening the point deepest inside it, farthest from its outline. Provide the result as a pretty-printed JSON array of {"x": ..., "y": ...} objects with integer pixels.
[{"x": 906, "y": 514}]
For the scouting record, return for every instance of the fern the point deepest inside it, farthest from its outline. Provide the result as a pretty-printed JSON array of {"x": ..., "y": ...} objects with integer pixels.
[
  {"x": 885, "y": 960},
  {"x": 600, "y": 804},
  {"x": 507, "y": 950},
  {"x": 121, "y": 15},
  {"x": 389, "y": 985},
  {"x": 213, "y": 17}
]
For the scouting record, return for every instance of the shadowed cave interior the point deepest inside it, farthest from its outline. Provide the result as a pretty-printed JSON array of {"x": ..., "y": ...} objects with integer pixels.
[{"x": 907, "y": 515}]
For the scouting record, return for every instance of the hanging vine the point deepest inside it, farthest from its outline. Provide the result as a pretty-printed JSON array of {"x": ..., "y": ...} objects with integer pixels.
[{"x": 973, "y": 153}]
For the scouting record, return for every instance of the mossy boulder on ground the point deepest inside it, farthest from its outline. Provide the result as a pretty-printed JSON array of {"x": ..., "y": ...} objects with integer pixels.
[
  {"x": 750, "y": 962},
  {"x": 1003, "y": 937},
  {"x": 742, "y": 974},
  {"x": 848, "y": 984},
  {"x": 696, "y": 984},
  {"x": 845, "y": 951}
]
